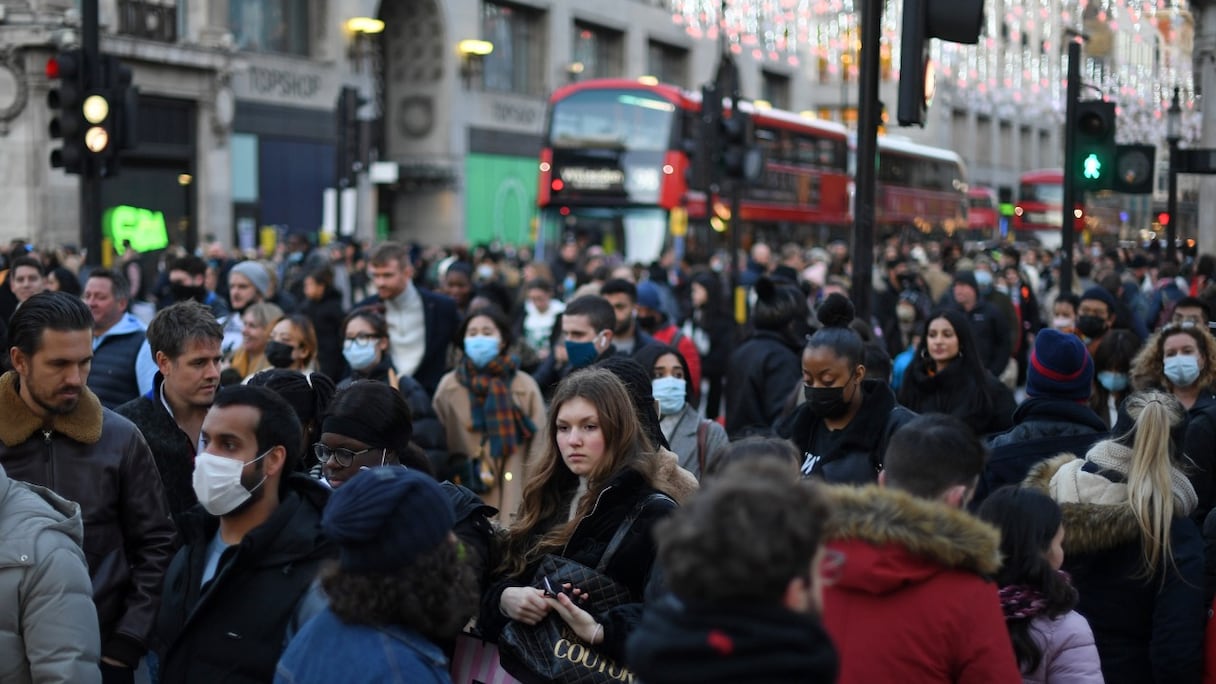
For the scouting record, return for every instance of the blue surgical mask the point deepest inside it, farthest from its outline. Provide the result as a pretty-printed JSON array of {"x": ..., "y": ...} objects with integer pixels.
[
  {"x": 984, "y": 280},
  {"x": 669, "y": 392},
  {"x": 1182, "y": 370},
  {"x": 581, "y": 354},
  {"x": 481, "y": 349},
  {"x": 360, "y": 355},
  {"x": 1112, "y": 380}
]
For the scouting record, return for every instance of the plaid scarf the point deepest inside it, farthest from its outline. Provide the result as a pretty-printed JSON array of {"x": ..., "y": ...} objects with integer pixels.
[{"x": 494, "y": 412}]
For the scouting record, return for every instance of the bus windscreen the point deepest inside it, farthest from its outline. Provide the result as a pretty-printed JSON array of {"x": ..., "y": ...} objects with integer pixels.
[{"x": 612, "y": 119}]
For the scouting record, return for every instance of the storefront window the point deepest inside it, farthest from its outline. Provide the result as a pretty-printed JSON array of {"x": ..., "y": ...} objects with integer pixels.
[
  {"x": 598, "y": 51},
  {"x": 270, "y": 25}
]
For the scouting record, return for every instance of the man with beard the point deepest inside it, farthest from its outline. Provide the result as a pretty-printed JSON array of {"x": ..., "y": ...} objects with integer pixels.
[
  {"x": 185, "y": 340},
  {"x": 628, "y": 336},
  {"x": 56, "y": 434},
  {"x": 239, "y": 586}
]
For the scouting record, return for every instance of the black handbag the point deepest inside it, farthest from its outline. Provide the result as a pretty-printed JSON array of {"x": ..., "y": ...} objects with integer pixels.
[{"x": 550, "y": 650}]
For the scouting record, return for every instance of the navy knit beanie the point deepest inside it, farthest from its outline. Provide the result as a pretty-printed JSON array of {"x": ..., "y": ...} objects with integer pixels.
[
  {"x": 1060, "y": 367},
  {"x": 384, "y": 518}
]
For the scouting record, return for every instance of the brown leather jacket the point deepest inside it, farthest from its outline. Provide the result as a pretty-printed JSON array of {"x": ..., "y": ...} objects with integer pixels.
[{"x": 99, "y": 459}]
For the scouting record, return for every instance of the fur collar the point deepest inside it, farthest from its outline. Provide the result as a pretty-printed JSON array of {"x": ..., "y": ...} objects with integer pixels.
[
  {"x": 82, "y": 425},
  {"x": 1089, "y": 526},
  {"x": 663, "y": 472},
  {"x": 881, "y": 516}
]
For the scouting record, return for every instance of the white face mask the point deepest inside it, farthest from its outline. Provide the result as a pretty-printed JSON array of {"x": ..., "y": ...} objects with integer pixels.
[{"x": 217, "y": 482}]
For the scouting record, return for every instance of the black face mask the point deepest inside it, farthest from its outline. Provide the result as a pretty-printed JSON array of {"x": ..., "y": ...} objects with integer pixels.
[
  {"x": 279, "y": 354},
  {"x": 826, "y": 402},
  {"x": 182, "y": 292},
  {"x": 1091, "y": 326},
  {"x": 648, "y": 323}
]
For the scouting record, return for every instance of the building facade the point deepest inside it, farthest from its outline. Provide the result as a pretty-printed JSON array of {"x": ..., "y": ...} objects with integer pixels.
[{"x": 239, "y": 129}]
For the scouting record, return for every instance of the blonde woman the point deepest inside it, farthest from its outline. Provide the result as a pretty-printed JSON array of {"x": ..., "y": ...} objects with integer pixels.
[
  {"x": 1181, "y": 359},
  {"x": 257, "y": 320},
  {"x": 1135, "y": 557}
]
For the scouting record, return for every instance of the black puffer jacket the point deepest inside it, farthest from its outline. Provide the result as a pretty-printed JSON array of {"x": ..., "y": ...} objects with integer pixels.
[
  {"x": 1043, "y": 427},
  {"x": 862, "y": 442},
  {"x": 326, "y": 316},
  {"x": 235, "y": 630},
  {"x": 98, "y": 459},
  {"x": 428, "y": 431},
  {"x": 759, "y": 378},
  {"x": 981, "y": 402}
]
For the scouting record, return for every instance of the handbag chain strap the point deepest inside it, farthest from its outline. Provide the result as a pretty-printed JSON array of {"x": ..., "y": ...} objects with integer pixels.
[{"x": 617, "y": 539}]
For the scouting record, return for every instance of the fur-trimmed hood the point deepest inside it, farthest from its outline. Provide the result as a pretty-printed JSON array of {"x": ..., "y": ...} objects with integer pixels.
[
  {"x": 892, "y": 539},
  {"x": 83, "y": 424},
  {"x": 663, "y": 472},
  {"x": 1088, "y": 527}
]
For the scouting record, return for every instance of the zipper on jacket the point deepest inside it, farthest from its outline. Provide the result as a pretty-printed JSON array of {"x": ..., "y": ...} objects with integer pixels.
[
  {"x": 580, "y": 521},
  {"x": 50, "y": 460}
]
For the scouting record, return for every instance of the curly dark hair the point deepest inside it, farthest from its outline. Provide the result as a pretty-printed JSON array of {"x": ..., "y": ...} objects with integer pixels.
[{"x": 435, "y": 595}]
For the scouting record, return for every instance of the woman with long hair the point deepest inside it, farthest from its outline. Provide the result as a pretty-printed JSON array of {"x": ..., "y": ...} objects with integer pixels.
[
  {"x": 1053, "y": 643},
  {"x": 947, "y": 375},
  {"x": 711, "y": 327},
  {"x": 1181, "y": 359},
  {"x": 490, "y": 411},
  {"x": 595, "y": 475},
  {"x": 1133, "y": 553},
  {"x": 257, "y": 320},
  {"x": 843, "y": 427}
]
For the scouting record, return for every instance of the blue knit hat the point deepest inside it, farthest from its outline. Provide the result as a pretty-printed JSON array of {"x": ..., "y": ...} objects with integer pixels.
[
  {"x": 1060, "y": 367},
  {"x": 384, "y": 518},
  {"x": 1101, "y": 294},
  {"x": 648, "y": 295}
]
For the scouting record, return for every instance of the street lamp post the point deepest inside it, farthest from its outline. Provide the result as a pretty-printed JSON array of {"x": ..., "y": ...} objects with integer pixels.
[{"x": 1173, "y": 134}]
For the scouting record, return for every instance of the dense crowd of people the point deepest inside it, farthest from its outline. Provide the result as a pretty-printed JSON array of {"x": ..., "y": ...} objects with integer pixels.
[{"x": 394, "y": 463}]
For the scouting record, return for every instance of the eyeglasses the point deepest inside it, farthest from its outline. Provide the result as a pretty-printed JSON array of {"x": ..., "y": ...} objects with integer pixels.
[
  {"x": 362, "y": 339},
  {"x": 342, "y": 457},
  {"x": 831, "y": 567}
]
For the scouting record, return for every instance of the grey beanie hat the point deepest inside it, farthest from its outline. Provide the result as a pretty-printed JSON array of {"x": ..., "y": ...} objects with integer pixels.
[{"x": 256, "y": 273}]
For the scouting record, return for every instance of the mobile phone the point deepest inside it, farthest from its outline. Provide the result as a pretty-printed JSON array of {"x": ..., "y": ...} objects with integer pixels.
[{"x": 549, "y": 589}]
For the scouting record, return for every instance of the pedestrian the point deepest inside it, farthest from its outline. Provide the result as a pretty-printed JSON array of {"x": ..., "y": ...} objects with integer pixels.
[
  {"x": 1133, "y": 554},
  {"x": 1053, "y": 643},
  {"x": 309, "y": 395},
  {"x": 122, "y": 367},
  {"x": 711, "y": 327},
  {"x": 293, "y": 344},
  {"x": 323, "y": 306},
  {"x": 256, "y": 322},
  {"x": 694, "y": 438},
  {"x": 398, "y": 590},
  {"x": 763, "y": 371},
  {"x": 1112, "y": 364},
  {"x": 746, "y": 565},
  {"x": 846, "y": 422}
]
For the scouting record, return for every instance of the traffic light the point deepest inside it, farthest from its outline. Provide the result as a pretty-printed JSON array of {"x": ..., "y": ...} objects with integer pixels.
[
  {"x": 701, "y": 141},
  {"x": 348, "y": 133},
  {"x": 66, "y": 100},
  {"x": 1134, "y": 169},
  {"x": 954, "y": 21},
  {"x": 1094, "y": 165},
  {"x": 741, "y": 158}
]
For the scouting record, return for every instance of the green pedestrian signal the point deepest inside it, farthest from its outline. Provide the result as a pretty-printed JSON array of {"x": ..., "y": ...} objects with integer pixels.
[{"x": 1092, "y": 167}]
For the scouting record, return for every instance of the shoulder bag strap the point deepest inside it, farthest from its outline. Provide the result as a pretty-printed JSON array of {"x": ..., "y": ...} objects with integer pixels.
[
  {"x": 623, "y": 530},
  {"x": 702, "y": 429}
]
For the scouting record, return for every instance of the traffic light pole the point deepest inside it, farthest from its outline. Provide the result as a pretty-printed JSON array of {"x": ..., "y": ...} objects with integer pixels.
[
  {"x": 90, "y": 179},
  {"x": 1069, "y": 235},
  {"x": 867, "y": 160}
]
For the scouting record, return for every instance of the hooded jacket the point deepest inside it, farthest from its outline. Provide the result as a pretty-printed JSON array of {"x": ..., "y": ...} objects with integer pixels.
[
  {"x": 48, "y": 630},
  {"x": 98, "y": 459},
  {"x": 912, "y": 604},
  {"x": 681, "y": 642},
  {"x": 1147, "y": 629},
  {"x": 860, "y": 445},
  {"x": 234, "y": 629}
]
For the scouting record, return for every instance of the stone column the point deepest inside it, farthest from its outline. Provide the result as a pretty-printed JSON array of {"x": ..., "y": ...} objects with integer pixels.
[{"x": 1205, "y": 63}]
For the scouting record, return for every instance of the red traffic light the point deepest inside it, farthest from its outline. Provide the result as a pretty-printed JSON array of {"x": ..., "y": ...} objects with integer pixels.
[
  {"x": 1163, "y": 218},
  {"x": 52, "y": 68}
]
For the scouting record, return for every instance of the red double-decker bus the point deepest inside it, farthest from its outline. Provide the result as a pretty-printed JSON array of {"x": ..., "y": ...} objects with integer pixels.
[
  {"x": 983, "y": 214},
  {"x": 1038, "y": 215},
  {"x": 615, "y": 161}
]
